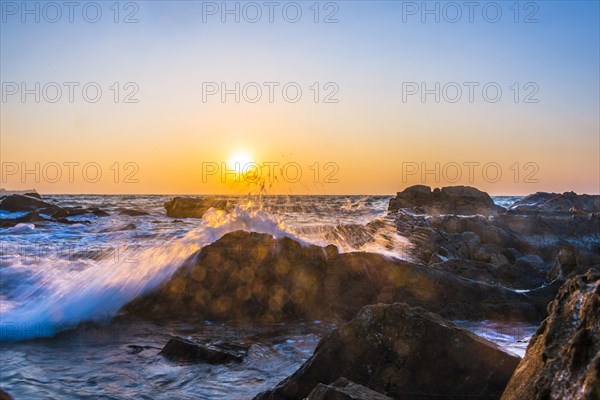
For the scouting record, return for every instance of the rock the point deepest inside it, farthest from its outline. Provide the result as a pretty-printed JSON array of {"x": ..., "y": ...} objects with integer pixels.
[
  {"x": 35, "y": 218},
  {"x": 132, "y": 213},
  {"x": 457, "y": 200},
  {"x": 188, "y": 207},
  {"x": 556, "y": 202},
  {"x": 501, "y": 238},
  {"x": 19, "y": 202},
  {"x": 571, "y": 261},
  {"x": 179, "y": 349},
  {"x": 343, "y": 389},
  {"x": 5, "y": 396},
  {"x": 563, "y": 357},
  {"x": 404, "y": 353},
  {"x": 246, "y": 276},
  {"x": 33, "y": 194}
]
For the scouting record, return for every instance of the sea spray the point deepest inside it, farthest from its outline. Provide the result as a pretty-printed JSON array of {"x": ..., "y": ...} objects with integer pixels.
[{"x": 53, "y": 294}]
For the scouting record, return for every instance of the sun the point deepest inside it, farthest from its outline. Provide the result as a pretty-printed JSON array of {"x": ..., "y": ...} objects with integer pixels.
[{"x": 239, "y": 160}]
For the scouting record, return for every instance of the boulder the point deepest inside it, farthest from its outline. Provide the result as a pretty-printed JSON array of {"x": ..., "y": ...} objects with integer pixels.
[
  {"x": 19, "y": 203},
  {"x": 179, "y": 349},
  {"x": 457, "y": 200},
  {"x": 404, "y": 353},
  {"x": 247, "y": 276},
  {"x": 563, "y": 357},
  {"x": 189, "y": 207},
  {"x": 343, "y": 389}
]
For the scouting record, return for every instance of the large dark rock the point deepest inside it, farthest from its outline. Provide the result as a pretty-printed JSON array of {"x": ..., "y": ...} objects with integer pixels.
[
  {"x": 5, "y": 396},
  {"x": 189, "y": 207},
  {"x": 252, "y": 276},
  {"x": 553, "y": 202},
  {"x": 343, "y": 389},
  {"x": 405, "y": 353},
  {"x": 19, "y": 202},
  {"x": 179, "y": 349},
  {"x": 563, "y": 358},
  {"x": 458, "y": 200}
]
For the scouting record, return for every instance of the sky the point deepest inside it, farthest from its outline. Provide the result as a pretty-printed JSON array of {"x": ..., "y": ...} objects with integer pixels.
[{"x": 345, "y": 97}]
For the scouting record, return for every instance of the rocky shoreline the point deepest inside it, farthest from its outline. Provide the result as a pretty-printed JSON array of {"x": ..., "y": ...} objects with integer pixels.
[{"x": 470, "y": 259}]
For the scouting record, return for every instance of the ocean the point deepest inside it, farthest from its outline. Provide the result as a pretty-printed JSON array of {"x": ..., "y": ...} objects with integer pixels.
[{"x": 56, "y": 276}]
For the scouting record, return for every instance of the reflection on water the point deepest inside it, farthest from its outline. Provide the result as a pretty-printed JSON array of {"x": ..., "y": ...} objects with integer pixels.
[{"x": 121, "y": 361}]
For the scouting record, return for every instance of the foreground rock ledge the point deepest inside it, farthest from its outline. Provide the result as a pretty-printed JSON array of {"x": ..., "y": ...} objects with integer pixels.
[
  {"x": 563, "y": 358},
  {"x": 405, "y": 353},
  {"x": 247, "y": 276}
]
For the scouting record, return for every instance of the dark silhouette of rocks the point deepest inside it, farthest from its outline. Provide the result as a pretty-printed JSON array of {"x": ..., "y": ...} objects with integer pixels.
[
  {"x": 459, "y": 200},
  {"x": 190, "y": 207}
]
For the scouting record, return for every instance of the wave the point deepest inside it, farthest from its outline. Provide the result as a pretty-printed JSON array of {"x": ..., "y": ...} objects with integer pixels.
[{"x": 50, "y": 294}]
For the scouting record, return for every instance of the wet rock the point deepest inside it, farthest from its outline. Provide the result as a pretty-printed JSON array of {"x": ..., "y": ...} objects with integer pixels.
[
  {"x": 343, "y": 389},
  {"x": 132, "y": 212},
  {"x": 5, "y": 396},
  {"x": 563, "y": 358},
  {"x": 556, "y": 202},
  {"x": 500, "y": 238},
  {"x": 405, "y": 353},
  {"x": 571, "y": 261},
  {"x": 252, "y": 276},
  {"x": 189, "y": 207},
  {"x": 458, "y": 200},
  {"x": 19, "y": 202},
  {"x": 179, "y": 349},
  {"x": 35, "y": 218}
]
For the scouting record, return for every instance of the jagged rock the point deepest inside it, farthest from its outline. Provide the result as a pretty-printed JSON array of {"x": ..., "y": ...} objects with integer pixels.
[
  {"x": 188, "y": 207},
  {"x": 563, "y": 358},
  {"x": 405, "y": 353},
  {"x": 508, "y": 235},
  {"x": 343, "y": 389},
  {"x": 180, "y": 349},
  {"x": 553, "y": 202},
  {"x": 252, "y": 276},
  {"x": 458, "y": 200}
]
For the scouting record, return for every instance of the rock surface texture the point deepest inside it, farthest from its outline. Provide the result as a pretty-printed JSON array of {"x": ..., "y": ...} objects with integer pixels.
[
  {"x": 404, "y": 353},
  {"x": 563, "y": 358}
]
